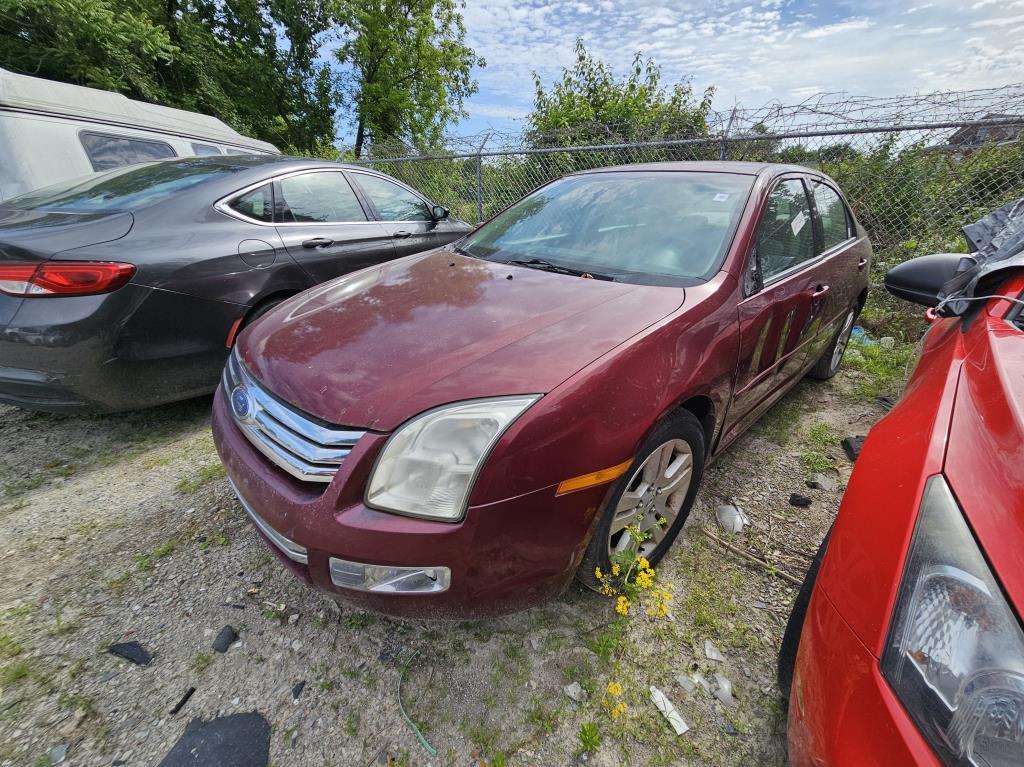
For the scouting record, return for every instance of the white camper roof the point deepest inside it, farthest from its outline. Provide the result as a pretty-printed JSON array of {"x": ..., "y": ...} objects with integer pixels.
[{"x": 34, "y": 94}]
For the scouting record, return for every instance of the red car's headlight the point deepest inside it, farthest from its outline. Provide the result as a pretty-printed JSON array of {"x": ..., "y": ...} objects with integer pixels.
[{"x": 955, "y": 652}]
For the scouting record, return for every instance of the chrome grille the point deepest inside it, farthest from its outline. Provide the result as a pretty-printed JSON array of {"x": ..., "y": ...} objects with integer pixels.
[{"x": 307, "y": 450}]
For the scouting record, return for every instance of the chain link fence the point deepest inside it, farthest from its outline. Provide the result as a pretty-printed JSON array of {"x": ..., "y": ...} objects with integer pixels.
[{"x": 914, "y": 169}]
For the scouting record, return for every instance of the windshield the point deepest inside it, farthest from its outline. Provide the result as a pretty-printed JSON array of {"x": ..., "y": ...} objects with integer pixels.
[
  {"x": 127, "y": 188},
  {"x": 662, "y": 227}
]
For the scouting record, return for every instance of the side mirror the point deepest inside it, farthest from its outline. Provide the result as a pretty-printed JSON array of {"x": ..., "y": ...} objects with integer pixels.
[
  {"x": 920, "y": 279},
  {"x": 439, "y": 212}
]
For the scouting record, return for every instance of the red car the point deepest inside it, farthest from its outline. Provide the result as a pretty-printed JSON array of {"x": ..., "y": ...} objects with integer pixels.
[
  {"x": 906, "y": 636},
  {"x": 460, "y": 432}
]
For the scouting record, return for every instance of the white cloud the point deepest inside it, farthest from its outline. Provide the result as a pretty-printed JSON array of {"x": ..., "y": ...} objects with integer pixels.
[
  {"x": 752, "y": 51},
  {"x": 1006, "y": 21},
  {"x": 850, "y": 25}
]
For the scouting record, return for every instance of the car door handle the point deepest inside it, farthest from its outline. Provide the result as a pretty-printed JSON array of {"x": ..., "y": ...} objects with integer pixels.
[
  {"x": 402, "y": 235},
  {"x": 861, "y": 264},
  {"x": 318, "y": 242},
  {"x": 819, "y": 291}
]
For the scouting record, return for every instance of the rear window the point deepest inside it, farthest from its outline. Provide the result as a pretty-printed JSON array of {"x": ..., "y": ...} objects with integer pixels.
[
  {"x": 665, "y": 227},
  {"x": 124, "y": 188},
  {"x": 106, "y": 150}
]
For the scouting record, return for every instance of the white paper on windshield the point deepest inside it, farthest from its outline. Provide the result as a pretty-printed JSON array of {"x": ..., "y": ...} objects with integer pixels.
[
  {"x": 798, "y": 222},
  {"x": 721, "y": 197}
]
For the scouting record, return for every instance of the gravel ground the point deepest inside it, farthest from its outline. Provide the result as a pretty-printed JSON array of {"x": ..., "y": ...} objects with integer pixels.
[{"x": 122, "y": 528}]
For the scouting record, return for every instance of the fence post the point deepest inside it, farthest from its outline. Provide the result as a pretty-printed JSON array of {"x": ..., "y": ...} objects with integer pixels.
[
  {"x": 479, "y": 179},
  {"x": 725, "y": 136}
]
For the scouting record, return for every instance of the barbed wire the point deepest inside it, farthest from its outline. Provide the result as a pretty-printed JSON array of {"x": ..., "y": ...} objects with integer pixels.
[{"x": 832, "y": 112}]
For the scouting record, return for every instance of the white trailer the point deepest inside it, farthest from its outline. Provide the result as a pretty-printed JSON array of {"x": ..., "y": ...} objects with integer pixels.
[{"x": 51, "y": 132}]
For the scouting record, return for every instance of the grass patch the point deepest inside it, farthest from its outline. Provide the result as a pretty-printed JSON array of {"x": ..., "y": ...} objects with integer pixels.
[
  {"x": 9, "y": 646},
  {"x": 15, "y": 672},
  {"x": 884, "y": 370},
  {"x": 779, "y": 423},
  {"x": 589, "y": 737},
  {"x": 604, "y": 643},
  {"x": 814, "y": 456},
  {"x": 205, "y": 475},
  {"x": 201, "y": 662}
]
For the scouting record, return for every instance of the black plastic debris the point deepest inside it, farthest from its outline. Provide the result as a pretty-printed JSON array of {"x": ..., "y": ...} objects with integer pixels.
[
  {"x": 886, "y": 402},
  {"x": 852, "y": 446},
  {"x": 996, "y": 242},
  {"x": 131, "y": 651},
  {"x": 225, "y": 639},
  {"x": 801, "y": 501},
  {"x": 237, "y": 740},
  {"x": 184, "y": 699},
  {"x": 297, "y": 689}
]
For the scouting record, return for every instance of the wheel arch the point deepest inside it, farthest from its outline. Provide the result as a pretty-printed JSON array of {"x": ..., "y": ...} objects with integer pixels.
[{"x": 703, "y": 409}]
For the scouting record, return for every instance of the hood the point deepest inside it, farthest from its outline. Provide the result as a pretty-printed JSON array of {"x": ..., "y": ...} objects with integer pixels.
[
  {"x": 37, "y": 235},
  {"x": 376, "y": 347},
  {"x": 985, "y": 452}
]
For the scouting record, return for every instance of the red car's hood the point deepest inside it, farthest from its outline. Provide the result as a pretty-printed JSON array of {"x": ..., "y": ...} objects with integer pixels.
[
  {"x": 985, "y": 453},
  {"x": 374, "y": 348}
]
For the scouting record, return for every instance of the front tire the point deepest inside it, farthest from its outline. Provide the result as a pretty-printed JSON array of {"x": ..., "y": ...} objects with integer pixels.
[
  {"x": 795, "y": 624},
  {"x": 655, "y": 494}
]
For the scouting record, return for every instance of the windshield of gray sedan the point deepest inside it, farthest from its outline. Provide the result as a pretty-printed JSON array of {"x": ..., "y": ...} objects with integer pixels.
[{"x": 661, "y": 227}]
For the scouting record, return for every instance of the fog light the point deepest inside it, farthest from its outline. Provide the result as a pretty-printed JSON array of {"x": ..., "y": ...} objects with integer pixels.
[{"x": 386, "y": 579}]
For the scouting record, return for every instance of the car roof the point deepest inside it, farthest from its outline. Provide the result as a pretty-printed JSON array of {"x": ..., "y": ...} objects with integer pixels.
[{"x": 708, "y": 166}]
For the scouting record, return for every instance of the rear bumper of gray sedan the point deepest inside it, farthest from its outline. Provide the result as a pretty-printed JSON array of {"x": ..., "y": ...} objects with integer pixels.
[{"x": 133, "y": 348}]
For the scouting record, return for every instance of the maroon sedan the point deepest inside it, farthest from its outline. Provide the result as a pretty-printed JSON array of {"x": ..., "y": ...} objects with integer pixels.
[{"x": 461, "y": 432}]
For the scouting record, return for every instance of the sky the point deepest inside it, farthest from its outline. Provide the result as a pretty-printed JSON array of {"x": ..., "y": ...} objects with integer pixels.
[{"x": 751, "y": 52}]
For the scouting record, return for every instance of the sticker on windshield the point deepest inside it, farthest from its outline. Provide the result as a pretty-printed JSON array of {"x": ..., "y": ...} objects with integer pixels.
[
  {"x": 798, "y": 222},
  {"x": 721, "y": 197}
]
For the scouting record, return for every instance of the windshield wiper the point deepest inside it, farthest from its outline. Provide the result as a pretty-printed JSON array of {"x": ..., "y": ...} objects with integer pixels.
[{"x": 547, "y": 266}]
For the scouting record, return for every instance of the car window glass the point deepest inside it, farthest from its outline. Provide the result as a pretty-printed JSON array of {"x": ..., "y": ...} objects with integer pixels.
[
  {"x": 229, "y": 150},
  {"x": 319, "y": 197},
  {"x": 257, "y": 204},
  {"x": 835, "y": 224},
  {"x": 637, "y": 226},
  {"x": 106, "y": 151},
  {"x": 785, "y": 237},
  {"x": 392, "y": 201},
  {"x": 204, "y": 150},
  {"x": 127, "y": 188}
]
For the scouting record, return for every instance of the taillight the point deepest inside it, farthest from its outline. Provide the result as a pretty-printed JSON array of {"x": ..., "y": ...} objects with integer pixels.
[{"x": 63, "y": 278}]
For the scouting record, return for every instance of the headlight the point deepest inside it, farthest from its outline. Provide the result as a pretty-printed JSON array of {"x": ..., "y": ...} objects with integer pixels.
[
  {"x": 427, "y": 467},
  {"x": 955, "y": 653}
]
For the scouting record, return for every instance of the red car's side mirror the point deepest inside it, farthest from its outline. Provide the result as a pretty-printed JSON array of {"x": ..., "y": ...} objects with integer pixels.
[{"x": 920, "y": 279}]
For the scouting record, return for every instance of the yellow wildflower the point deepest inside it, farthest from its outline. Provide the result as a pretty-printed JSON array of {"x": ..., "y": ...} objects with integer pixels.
[
  {"x": 645, "y": 579},
  {"x": 616, "y": 570},
  {"x": 614, "y": 688},
  {"x": 622, "y": 606},
  {"x": 618, "y": 711},
  {"x": 643, "y": 563},
  {"x": 597, "y": 573}
]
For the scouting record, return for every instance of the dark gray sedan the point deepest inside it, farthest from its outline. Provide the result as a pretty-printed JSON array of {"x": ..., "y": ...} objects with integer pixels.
[{"x": 126, "y": 289}]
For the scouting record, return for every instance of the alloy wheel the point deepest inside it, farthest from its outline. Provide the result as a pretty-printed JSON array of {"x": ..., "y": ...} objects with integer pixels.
[
  {"x": 842, "y": 341},
  {"x": 652, "y": 498}
]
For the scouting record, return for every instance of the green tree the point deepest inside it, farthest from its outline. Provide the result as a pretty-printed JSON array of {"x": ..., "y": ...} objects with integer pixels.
[
  {"x": 591, "y": 104},
  {"x": 409, "y": 70},
  {"x": 256, "y": 64},
  {"x": 99, "y": 43}
]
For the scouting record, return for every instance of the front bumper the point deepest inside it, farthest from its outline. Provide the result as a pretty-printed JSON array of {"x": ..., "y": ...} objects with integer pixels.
[
  {"x": 500, "y": 557},
  {"x": 841, "y": 709}
]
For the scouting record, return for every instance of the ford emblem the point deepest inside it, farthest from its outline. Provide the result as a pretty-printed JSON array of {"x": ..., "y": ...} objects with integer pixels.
[{"x": 241, "y": 403}]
